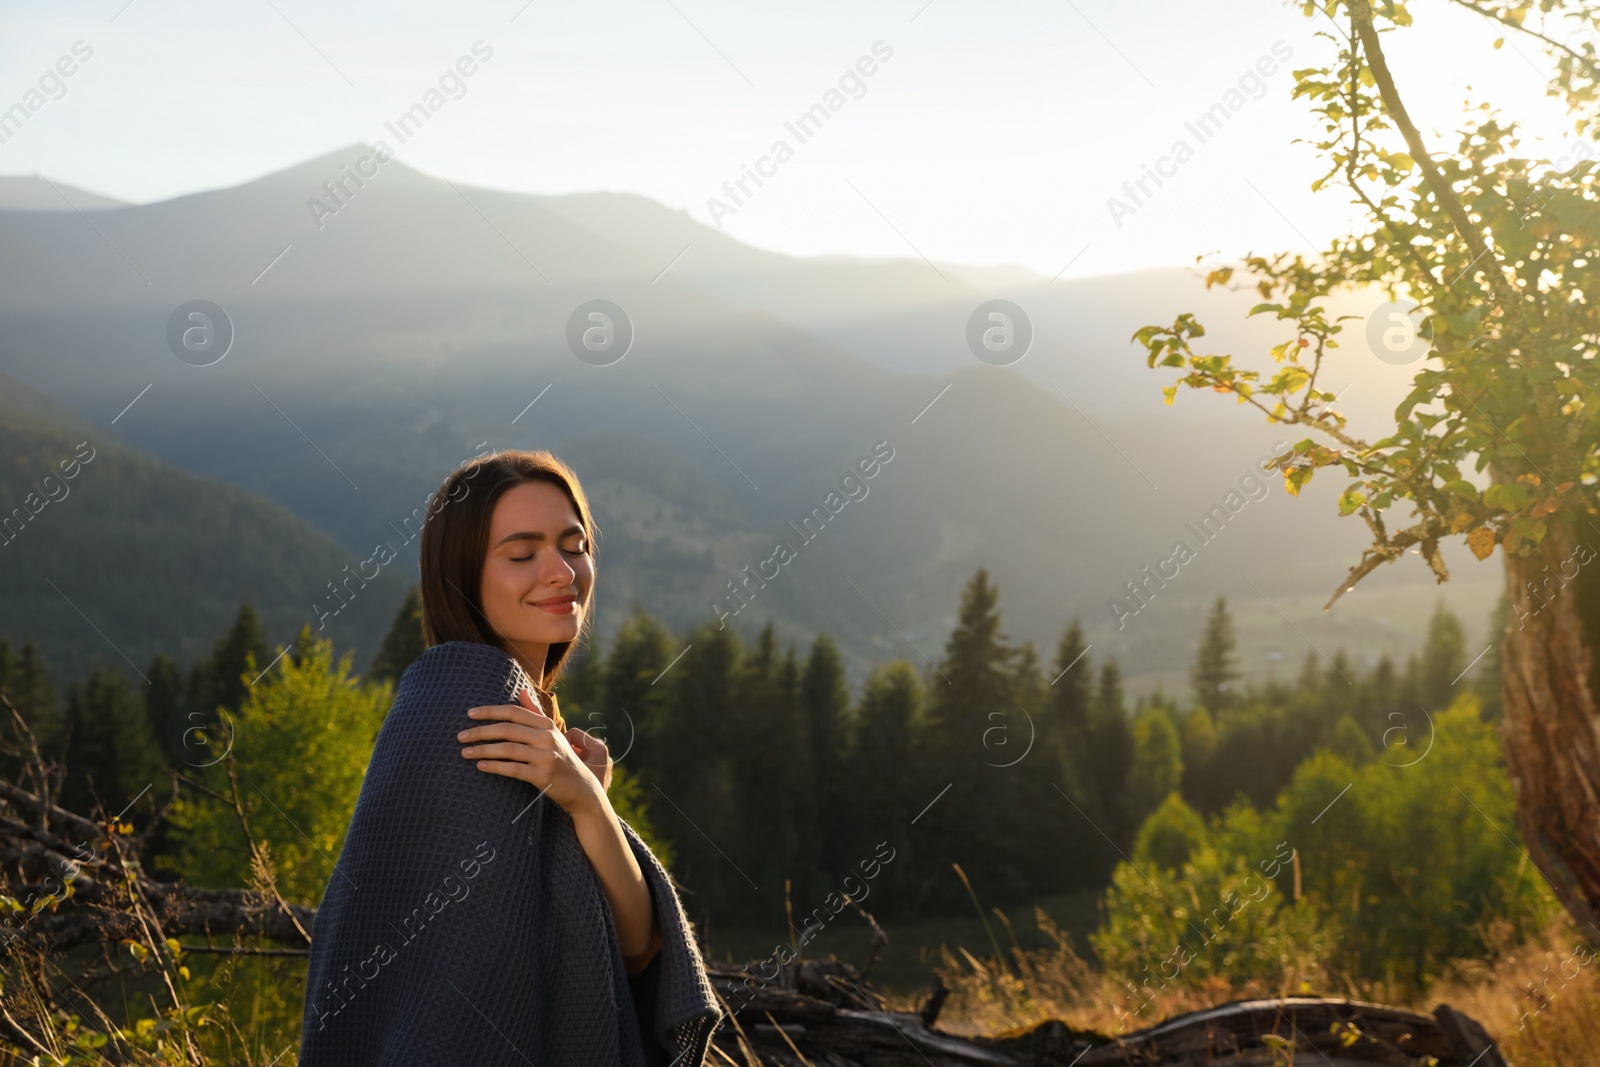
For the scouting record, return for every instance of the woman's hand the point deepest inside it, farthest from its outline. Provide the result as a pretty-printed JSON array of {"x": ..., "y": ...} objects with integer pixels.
[
  {"x": 524, "y": 743},
  {"x": 594, "y": 753}
]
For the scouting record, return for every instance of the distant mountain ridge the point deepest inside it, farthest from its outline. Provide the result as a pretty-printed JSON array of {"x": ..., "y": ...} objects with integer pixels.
[
  {"x": 34, "y": 193},
  {"x": 375, "y": 352}
]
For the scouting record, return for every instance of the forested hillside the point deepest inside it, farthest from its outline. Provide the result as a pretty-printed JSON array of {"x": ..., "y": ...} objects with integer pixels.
[{"x": 125, "y": 557}]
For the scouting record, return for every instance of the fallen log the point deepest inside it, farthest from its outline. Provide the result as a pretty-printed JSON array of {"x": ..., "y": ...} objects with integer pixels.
[
  {"x": 820, "y": 1014},
  {"x": 79, "y": 889}
]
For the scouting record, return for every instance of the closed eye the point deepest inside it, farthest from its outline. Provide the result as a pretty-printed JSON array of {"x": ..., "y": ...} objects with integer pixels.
[{"x": 584, "y": 551}]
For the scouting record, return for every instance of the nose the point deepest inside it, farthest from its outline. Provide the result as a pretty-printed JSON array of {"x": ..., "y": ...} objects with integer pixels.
[{"x": 560, "y": 572}]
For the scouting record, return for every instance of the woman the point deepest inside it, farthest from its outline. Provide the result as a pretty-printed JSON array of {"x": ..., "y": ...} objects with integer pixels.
[{"x": 489, "y": 907}]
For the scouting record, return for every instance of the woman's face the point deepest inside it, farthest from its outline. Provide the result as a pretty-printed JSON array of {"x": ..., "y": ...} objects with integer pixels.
[{"x": 538, "y": 570}]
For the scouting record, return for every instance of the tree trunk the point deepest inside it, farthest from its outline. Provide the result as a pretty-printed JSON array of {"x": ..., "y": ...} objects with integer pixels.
[{"x": 1552, "y": 725}]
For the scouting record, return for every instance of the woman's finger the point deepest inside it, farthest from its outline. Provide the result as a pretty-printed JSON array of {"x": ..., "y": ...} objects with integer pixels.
[
  {"x": 512, "y": 769},
  {"x": 512, "y": 713},
  {"x": 506, "y": 750},
  {"x": 509, "y": 731},
  {"x": 596, "y": 743}
]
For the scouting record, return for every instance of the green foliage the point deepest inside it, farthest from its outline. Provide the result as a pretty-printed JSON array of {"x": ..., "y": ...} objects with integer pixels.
[
  {"x": 302, "y": 738},
  {"x": 1497, "y": 250},
  {"x": 1157, "y": 769},
  {"x": 1172, "y": 834},
  {"x": 1417, "y": 859},
  {"x": 1350, "y": 742},
  {"x": 1400, "y": 869},
  {"x": 628, "y": 800},
  {"x": 1199, "y": 739},
  {"x": 726, "y": 776},
  {"x": 1217, "y": 915},
  {"x": 1487, "y": 684}
]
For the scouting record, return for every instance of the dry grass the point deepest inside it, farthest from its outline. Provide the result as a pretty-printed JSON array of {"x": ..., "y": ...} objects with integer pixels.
[{"x": 1540, "y": 1000}]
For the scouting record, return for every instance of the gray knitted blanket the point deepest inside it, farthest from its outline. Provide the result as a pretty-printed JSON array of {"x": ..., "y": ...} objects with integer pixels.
[{"x": 463, "y": 922}]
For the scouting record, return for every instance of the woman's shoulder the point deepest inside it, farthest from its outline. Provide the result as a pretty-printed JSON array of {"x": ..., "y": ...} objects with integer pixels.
[
  {"x": 457, "y": 659},
  {"x": 459, "y": 669}
]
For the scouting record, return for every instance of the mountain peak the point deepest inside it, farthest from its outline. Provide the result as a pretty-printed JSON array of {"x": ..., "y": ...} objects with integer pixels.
[{"x": 33, "y": 193}]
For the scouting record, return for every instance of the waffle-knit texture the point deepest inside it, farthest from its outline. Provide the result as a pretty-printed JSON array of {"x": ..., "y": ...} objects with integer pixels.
[{"x": 463, "y": 922}]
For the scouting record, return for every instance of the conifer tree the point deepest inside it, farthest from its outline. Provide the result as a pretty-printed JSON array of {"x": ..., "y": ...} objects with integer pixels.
[
  {"x": 770, "y": 780},
  {"x": 112, "y": 754},
  {"x": 890, "y": 721},
  {"x": 1030, "y": 769},
  {"x": 825, "y": 704},
  {"x": 1111, "y": 746},
  {"x": 1064, "y": 728},
  {"x": 1066, "y": 751},
  {"x": 35, "y": 699},
  {"x": 219, "y": 680},
  {"x": 403, "y": 643},
  {"x": 164, "y": 706},
  {"x": 1383, "y": 684},
  {"x": 581, "y": 690},
  {"x": 639, "y": 653},
  {"x": 1309, "y": 680},
  {"x": 1216, "y": 666},
  {"x": 693, "y": 749},
  {"x": 1444, "y": 657},
  {"x": 976, "y": 680}
]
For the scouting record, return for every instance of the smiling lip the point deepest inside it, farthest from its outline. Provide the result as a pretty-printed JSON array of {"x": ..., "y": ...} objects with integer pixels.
[{"x": 559, "y": 605}]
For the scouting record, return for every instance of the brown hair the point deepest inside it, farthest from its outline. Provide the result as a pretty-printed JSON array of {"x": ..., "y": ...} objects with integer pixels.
[{"x": 455, "y": 540}]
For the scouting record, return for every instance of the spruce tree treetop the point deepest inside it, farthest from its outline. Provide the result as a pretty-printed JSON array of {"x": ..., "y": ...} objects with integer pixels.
[
  {"x": 219, "y": 680},
  {"x": 404, "y": 641},
  {"x": 1216, "y": 666}
]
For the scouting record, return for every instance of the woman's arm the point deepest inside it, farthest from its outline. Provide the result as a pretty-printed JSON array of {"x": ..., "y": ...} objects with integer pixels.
[
  {"x": 526, "y": 744},
  {"x": 632, "y": 907}
]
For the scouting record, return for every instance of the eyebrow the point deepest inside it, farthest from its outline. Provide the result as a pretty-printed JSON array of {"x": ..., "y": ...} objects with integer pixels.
[{"x": 534, "y": 535}]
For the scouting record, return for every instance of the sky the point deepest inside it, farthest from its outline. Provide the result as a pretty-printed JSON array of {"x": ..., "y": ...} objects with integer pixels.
[{"x": 985, "y": 134}]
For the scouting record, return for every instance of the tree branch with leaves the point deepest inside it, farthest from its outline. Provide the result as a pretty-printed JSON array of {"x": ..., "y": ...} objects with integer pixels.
[{"x": 1498, "y": 440}]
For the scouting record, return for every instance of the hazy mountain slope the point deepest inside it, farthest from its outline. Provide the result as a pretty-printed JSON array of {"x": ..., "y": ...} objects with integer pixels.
[
  {"x": 33, "y": 193},
  {"x": 130, "y": 557},
  {"x": 911, "y": 315},
  {"x": 415, "y": 326}
]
